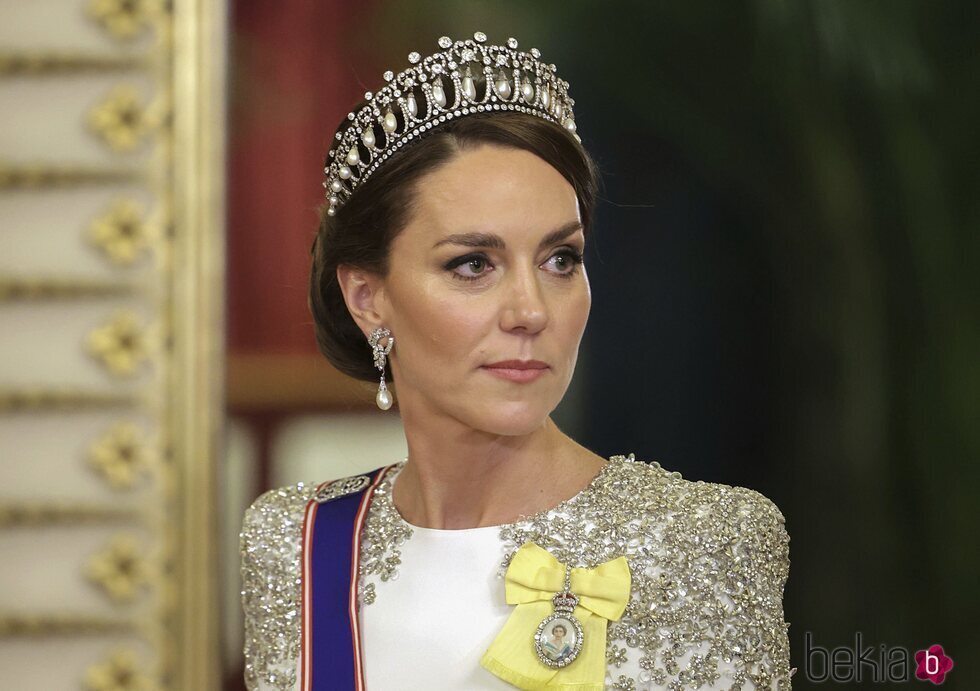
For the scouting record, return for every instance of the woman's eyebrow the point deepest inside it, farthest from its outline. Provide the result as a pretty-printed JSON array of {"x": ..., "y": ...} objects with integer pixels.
[{"x": 496, "y": 242}]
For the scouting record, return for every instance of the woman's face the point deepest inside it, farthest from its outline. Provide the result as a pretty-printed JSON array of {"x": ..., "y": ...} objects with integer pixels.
[{"x": 487, "y": 271}]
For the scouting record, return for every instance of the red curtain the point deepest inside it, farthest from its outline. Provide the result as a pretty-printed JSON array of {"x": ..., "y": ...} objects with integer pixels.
[{"x": 292, "y": 78}]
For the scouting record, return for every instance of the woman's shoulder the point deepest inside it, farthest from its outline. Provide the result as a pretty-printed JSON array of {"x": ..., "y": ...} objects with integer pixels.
[
  {"x": 647, "y": 486},
  {"x": 730, "y": 524},
  {"x": 278, "y": 508},
  {"x": 271, "y": 546},
  {"x": 277, "y": 514},
  {"x": 270, "y": 543},
  {"x": 704, "y": 557}
]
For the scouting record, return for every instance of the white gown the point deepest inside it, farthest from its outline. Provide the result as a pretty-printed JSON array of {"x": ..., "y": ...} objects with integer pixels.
[
  {"x": 708, "y": 563},
  {"x": 451, "y": 610}
]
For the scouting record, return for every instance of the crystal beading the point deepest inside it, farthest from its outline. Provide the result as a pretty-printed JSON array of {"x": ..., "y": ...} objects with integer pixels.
[
  {"x": 433, "y": 91},
  {"x": 709, "y": 565}
]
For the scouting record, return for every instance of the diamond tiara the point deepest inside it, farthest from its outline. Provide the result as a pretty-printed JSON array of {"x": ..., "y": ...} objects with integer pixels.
[{"x": 513, "y": 81}]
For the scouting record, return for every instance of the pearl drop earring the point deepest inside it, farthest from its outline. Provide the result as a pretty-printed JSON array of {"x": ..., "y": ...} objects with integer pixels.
[{"x": 384, "y": 398}]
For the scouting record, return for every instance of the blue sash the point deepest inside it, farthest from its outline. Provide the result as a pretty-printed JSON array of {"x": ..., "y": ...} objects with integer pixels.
[{"x": 330, "y": 657}]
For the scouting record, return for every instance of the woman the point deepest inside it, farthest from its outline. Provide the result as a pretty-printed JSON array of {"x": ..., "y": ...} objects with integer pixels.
[
  {"x": 556, "y": 646},
  {"x": 459, "y": 199}
]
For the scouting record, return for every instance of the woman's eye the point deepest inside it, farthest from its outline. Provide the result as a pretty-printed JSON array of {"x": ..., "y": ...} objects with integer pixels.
[
  {"x": 476, "y": 265},
  {"x": 566, "y": 261}
]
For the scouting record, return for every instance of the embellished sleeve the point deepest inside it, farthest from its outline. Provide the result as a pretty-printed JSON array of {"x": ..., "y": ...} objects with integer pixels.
[
  {"x": 269, "y": 543},
  {"x": 756, "y": 629}
]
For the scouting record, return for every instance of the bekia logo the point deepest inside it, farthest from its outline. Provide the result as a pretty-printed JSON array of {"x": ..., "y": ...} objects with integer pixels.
[
  {"x": 882, "y": 665},
  {"x": 932, "y": 664}
]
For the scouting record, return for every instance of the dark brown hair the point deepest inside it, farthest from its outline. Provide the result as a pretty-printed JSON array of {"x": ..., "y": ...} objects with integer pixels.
[{"x": 361, "y": 231}]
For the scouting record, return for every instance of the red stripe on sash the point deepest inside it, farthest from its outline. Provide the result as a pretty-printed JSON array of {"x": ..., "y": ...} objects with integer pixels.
[{"x": 355, "y": 563}]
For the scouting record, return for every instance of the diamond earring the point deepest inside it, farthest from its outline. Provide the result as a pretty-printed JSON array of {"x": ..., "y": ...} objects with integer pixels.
[{"x": 384, "y": 398}]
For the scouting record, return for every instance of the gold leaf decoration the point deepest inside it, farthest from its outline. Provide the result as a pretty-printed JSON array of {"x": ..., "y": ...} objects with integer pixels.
[
  {"x": 120, "y": 345},
  {"x": 23, "y": 289},
  {"x": 122, "y": 233},
  {"x": 123, "y": 121},
  {"x": 126, "y": 19},
  {"x": 120, "y": 569},
  {"x": 53, "y": 176},
  {"x": 23, "y": 625},
  {"x": 38, "y": 514},
  {"x": 121, "y": 672},
  {"x": 121, "y": 456},
  {"x": 54, "y": 62},
  {"x": 47, "y": 400}
]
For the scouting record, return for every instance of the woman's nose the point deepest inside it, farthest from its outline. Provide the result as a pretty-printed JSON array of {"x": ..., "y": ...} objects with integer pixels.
[{"x": 525, "y": 306}]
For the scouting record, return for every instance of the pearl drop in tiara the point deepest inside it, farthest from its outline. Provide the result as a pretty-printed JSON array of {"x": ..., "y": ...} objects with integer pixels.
[{"x": 513, "y": 80}]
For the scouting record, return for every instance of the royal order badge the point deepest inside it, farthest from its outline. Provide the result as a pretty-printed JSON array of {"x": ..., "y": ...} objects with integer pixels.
[{"x": 558, "y": 639}]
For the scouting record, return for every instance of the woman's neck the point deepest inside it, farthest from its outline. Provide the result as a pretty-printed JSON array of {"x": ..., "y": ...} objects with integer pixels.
[{"x": 476, "y": 480}]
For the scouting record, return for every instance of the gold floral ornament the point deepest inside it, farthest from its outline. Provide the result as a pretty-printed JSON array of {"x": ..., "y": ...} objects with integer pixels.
[
  {"x": 121, "y": 456},
  {"x": 120, "y": 569},
  {"x": 121, "y": 672},
  {"x": 126, "y": 19},
  {"x": 121, "y": 345},
  {"x": 122, "y": 233},
  {"x": 123, "y": 121}
]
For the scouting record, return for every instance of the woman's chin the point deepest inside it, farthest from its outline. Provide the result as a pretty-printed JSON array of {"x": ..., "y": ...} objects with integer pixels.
[{"x": 511, "y": 419}]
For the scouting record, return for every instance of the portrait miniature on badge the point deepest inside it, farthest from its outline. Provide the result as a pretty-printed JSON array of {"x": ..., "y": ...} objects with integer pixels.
[{"x": 558, "y": 639}]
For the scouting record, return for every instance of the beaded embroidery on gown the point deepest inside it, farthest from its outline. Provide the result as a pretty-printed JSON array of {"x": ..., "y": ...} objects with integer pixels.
[{"x": 709, "y": 563}]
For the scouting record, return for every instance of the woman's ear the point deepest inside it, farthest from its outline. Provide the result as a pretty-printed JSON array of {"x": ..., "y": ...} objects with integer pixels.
[{"x": 364, "y": 295}]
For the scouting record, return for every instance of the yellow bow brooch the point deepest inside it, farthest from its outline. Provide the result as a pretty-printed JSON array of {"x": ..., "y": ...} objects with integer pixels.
[{"x": 532, "y": 653}]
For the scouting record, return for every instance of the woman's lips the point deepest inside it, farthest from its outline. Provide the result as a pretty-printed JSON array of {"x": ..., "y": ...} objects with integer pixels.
[{"x": 517, "y": 371}]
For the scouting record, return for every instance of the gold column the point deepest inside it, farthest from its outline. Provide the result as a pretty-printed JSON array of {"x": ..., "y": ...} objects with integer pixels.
[{"x": 111, "y": 342}]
